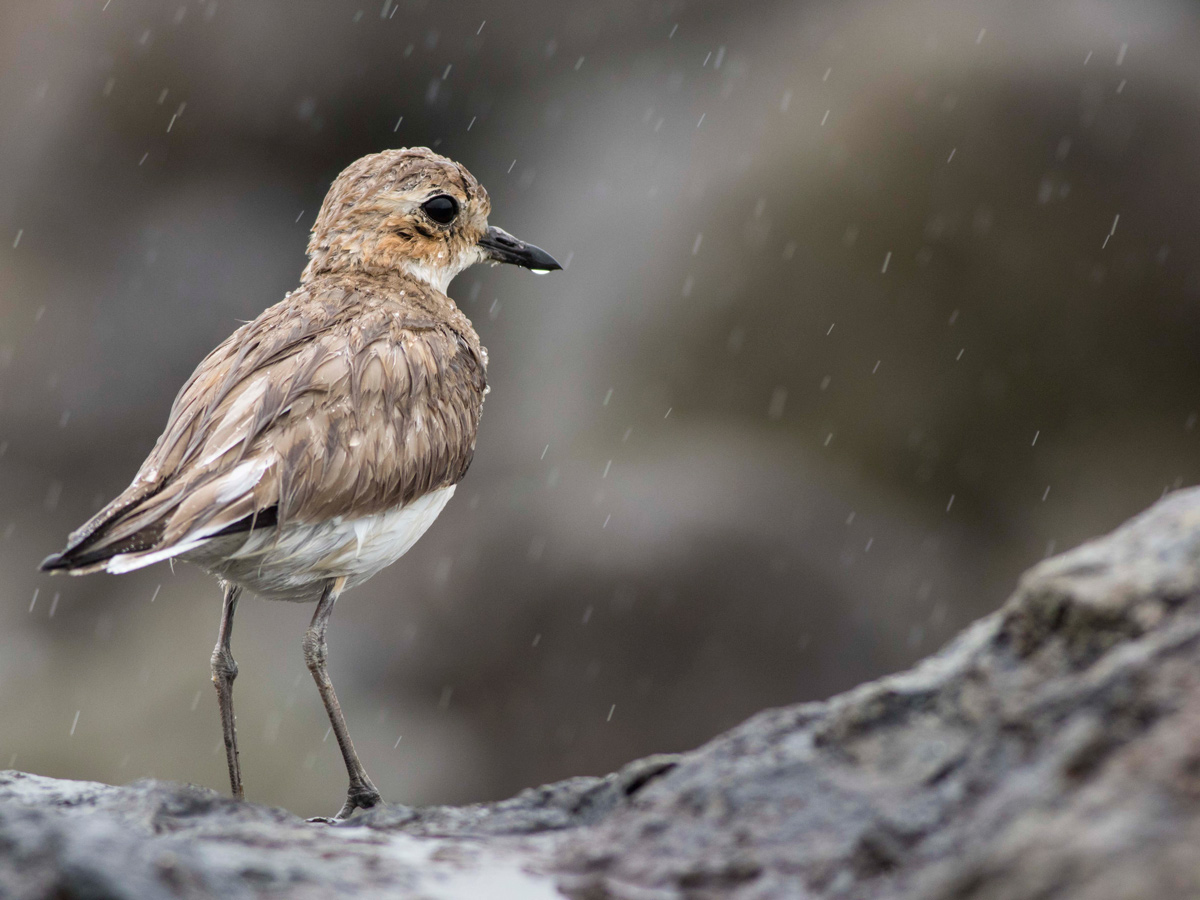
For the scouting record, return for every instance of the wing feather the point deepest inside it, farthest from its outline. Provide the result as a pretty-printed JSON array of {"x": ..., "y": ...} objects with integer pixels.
[{"x": 331, "y": 403}]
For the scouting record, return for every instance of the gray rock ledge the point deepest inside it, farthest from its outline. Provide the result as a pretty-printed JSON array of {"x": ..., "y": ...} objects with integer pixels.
[{"x": 1052, "y": 750}]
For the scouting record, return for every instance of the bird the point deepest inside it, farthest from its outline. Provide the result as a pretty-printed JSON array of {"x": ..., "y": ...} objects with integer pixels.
[{"x": 318, "y": 442}]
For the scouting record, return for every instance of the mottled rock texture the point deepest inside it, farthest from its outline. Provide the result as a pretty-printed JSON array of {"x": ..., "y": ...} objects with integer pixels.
[{"x": 1051, "y": 750}]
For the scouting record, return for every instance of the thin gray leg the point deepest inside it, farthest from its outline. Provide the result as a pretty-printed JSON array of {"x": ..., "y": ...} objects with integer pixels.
[
  {"x": 224, "y": 670},
  {"x": 362, "y": 793}
]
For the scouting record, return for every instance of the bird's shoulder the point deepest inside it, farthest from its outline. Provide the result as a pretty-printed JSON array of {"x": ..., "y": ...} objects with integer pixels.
[
  {"x": 349, "y": 395},
  {"x": 341, "y": 317}
]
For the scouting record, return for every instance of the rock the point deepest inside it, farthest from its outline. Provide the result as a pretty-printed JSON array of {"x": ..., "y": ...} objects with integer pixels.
[{"x": 1051, "y": 750}]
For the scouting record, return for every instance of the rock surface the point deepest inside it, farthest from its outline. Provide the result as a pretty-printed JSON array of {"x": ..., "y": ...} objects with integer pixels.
[{"x": 1051, "y": 750}]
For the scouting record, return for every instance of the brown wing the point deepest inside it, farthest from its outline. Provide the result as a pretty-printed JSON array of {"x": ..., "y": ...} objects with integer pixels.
[{"x": 329, "y": 404}]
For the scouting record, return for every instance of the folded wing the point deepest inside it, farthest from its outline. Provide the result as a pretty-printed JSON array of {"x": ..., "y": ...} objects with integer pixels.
[{"x": 329, "y": 404}]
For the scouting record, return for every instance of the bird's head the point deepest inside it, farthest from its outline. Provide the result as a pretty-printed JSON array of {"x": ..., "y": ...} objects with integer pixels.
[{"x": 413, "y": 211}]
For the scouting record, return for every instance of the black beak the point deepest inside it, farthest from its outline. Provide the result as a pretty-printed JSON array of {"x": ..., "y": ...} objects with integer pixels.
[{"x": 500, "y": 246}]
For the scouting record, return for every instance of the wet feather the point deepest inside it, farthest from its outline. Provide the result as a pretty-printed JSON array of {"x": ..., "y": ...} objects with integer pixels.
[{"x": 355, "y": 396}]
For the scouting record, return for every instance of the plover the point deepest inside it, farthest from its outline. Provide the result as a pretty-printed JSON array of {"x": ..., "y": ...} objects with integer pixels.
[{"x": 317, "y": 443}]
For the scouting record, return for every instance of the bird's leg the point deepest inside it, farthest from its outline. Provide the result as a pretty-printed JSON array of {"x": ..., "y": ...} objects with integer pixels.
[
  {"x": 224, "y": 670},
  {"x": 362, "y": 793}
]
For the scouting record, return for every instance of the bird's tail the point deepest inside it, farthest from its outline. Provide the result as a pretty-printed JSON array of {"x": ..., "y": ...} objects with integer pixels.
[
  {"x": 91, "y": 547},
  {"x": 132, "y": 532}
]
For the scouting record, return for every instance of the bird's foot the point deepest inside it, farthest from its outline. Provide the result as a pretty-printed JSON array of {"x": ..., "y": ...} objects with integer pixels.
[{"x": 357, "y": 798}]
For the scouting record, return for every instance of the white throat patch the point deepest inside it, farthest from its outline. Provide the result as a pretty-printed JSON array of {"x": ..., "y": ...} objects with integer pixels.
[{"x": 437, "y": 277}]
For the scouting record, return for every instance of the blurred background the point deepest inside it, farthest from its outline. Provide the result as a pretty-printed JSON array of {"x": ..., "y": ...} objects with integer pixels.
[{"x": 868, "y": 307}]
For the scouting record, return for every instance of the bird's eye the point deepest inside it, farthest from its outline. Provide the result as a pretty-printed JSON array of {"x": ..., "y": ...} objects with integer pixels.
[{"x": 442, "y": 208}]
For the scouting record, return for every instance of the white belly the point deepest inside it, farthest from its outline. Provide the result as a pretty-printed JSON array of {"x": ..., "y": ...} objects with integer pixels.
[{"x": 293, "y": 563}]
